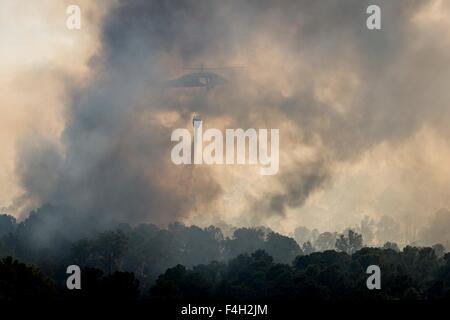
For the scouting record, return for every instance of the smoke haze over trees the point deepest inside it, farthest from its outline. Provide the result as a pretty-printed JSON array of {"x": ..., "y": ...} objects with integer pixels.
[
  {"x": 188, "y": 263},
  {"x": 86, "y": 172},
  {"x": 355, "y": 109}
]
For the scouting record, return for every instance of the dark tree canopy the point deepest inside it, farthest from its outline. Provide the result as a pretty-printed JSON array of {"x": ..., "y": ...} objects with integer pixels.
[{"x": 130, "y": 263}]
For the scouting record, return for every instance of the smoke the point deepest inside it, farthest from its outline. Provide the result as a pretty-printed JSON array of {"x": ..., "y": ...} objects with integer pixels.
[
  {"x": 342, "y": 95},
  {"x": 437, "y": 231}
]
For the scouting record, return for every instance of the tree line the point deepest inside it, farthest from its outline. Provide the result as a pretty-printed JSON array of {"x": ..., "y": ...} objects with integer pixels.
[{"x": 188, "y": 262}]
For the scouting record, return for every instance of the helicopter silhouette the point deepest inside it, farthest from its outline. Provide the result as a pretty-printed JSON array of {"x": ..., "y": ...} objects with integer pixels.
[{"x": 202, "y": 78}]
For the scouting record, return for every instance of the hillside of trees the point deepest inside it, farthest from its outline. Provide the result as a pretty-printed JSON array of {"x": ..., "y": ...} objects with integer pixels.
[{"x": 189, "y": 263}]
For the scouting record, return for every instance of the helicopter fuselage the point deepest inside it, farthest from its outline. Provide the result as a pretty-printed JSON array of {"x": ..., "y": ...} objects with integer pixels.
[{"x": 198, "y": 79}]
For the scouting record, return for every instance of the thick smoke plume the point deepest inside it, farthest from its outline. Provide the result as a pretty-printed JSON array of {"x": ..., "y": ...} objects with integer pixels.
[{"x": 336, "y": 90}]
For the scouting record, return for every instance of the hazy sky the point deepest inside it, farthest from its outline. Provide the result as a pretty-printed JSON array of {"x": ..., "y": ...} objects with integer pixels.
[{"x": 363, "y": 115}]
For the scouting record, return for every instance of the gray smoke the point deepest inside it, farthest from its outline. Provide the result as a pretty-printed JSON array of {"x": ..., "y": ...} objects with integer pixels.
[{"x": 116, "y": 163}]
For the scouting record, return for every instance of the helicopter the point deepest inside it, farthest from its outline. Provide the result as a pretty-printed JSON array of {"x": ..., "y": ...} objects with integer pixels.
[{"x": 202, "y": 78}]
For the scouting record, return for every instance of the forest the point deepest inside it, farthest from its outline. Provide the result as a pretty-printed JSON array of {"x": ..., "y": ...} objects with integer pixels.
[{"x": 189, "y": 263}]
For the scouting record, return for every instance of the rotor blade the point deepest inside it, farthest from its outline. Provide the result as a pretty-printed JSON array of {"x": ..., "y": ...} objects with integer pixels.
[{"x": 213, "y": 68}]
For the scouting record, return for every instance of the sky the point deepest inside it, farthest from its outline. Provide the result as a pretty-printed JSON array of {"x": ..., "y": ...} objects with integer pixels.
[{"x": 363, "y": 114}]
